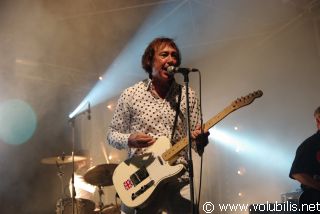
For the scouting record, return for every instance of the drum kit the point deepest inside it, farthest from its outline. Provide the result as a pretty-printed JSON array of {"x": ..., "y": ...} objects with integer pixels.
[{"x": 99, "y": 176}]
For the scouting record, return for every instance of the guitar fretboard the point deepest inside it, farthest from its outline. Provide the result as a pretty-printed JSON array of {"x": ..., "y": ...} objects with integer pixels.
[
  {"x": 180, "y": 145},
  {"x": 243, "y": 101}
]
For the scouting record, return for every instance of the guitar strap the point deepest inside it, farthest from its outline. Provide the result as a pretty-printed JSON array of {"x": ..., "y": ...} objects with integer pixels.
[{"x": 177, "y": 114}]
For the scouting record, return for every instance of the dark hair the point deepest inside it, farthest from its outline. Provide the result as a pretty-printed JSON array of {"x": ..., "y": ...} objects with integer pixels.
[{"x": 148, "y": 55}]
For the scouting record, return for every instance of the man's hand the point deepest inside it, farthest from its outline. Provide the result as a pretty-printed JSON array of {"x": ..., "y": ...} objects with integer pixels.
[
  {"x": 201, "y": 139},
  {"x": 140, "y": 140}
]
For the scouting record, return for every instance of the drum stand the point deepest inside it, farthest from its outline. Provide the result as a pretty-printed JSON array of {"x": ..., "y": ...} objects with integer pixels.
[
  {"x": 59, "y": 205},
  {"x": 72, "y": 123},
  {"x": 100, "y": 176},
  {"x": 101, "y": 205},
  {"x": 60, "y": 161}
]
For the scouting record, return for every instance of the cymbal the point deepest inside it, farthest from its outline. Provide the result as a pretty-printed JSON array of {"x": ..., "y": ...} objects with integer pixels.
[
  {"x": 100, "y": 175},
  {"x": 62, "y": 159}
]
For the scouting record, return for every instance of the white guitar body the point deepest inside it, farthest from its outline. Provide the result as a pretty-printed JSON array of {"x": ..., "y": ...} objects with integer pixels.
[{"x": 137, "y": 178}]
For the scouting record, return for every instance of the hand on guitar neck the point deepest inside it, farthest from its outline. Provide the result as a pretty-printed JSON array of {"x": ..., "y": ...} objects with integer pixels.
[{"x": 201, "y": 139}]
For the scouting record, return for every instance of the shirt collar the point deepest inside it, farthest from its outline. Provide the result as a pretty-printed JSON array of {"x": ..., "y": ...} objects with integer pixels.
[{"x": 149, "y": 85}]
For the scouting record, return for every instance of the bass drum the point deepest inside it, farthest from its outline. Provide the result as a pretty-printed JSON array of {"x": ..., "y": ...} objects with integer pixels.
[{"x": 81, "y": 206}]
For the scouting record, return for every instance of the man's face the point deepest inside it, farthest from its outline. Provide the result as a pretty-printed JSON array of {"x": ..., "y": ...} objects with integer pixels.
[{"x": 164, "y": 57}]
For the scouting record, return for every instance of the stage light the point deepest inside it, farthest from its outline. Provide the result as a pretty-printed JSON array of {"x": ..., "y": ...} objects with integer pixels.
[
  {"x": 226, "y": 139},
  {"x": 239, "y": 148},
  {"x": 241, "y": 171},
  {"x": 82, "y": 107},
  {"x": 126, "y": 70},
  {"x": 17, "y": 122},
  {"x": 252, "y": 148}
]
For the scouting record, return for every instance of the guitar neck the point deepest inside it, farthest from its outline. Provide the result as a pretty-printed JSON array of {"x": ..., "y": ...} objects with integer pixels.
[
  {"x": 217, "y": 118},
  {"x": 179, "y": 146},
  {"x": 240, "y": 102}
]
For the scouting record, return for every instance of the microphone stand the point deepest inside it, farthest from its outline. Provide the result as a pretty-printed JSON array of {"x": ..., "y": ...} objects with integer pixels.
[
  {"x": 72, "y": 123},
  {"x": 185, "y": 73},
  {"x": 73, "y": 193}
]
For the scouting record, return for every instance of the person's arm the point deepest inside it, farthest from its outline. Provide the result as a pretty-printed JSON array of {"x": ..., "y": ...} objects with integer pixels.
[
  {"x": 307, "y": 180},
  {"x": 118, "y": 132}
]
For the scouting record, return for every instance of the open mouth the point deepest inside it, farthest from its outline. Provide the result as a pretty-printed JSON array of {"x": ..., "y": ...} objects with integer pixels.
[{"x": 166, "y": 72}]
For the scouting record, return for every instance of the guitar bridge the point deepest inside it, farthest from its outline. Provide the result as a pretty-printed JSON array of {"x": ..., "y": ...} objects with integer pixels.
[
  {"x": 139, "y": 176},
  {"x": 142, "y": 190}
]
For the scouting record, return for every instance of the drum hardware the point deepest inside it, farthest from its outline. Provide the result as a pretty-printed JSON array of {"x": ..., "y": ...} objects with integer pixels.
[
  {"x": 100, "y": 176},
  {"x": 109, "y": 209},
  {"x": 61, "y": 161},
  {"x": 72, "y": 121},
  {"x": 60, "y": 175},
  {"x": 101, "y": 205},
  {"x": 81, "y": 206}
]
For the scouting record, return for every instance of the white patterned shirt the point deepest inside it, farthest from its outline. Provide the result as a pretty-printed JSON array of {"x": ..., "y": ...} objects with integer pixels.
[{"x": 141, "y": 110}]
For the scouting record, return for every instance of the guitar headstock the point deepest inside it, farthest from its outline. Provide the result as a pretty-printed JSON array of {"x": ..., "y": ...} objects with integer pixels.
[{"x": 246, "y": 100}]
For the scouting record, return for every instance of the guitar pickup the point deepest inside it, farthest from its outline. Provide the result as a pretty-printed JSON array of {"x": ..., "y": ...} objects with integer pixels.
[
  {"x": 139, "y": 176},
  {"x": 142, "y": 190}
]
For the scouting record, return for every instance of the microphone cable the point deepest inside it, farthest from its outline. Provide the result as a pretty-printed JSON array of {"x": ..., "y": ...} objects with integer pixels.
[{"x": 201, "y": 155}]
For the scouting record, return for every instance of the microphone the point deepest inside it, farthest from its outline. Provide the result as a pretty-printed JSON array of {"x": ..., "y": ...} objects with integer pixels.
[
  {"x": 172, "y": 70},
  {"x": 89, "y": 111}
]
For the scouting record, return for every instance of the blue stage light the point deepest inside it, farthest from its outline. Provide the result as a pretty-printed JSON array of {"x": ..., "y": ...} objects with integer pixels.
[{"x": 17, "y": 122}]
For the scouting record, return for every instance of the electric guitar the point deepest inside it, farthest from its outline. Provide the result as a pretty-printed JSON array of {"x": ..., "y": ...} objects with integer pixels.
[{"x": 137, "y": 178}]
